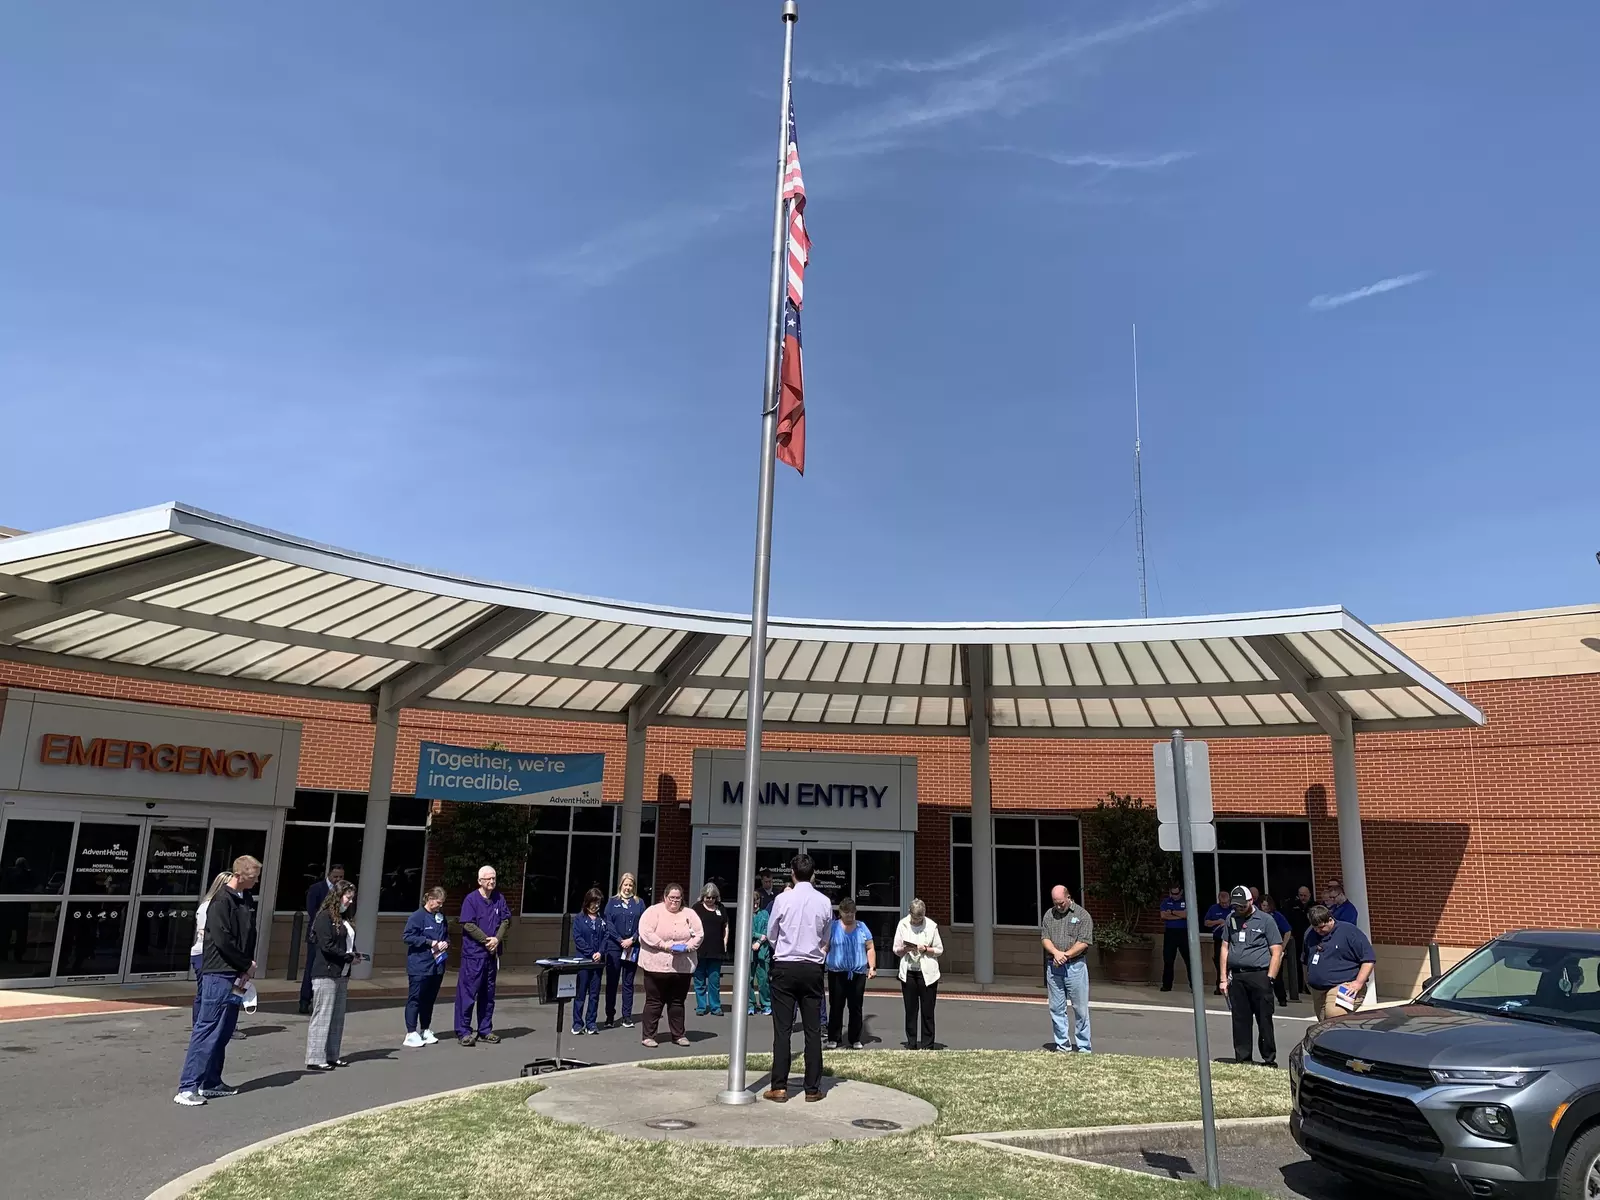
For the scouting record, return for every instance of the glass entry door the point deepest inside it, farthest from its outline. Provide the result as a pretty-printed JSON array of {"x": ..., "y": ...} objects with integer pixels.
[
  {"x": 99, "y": 890},
  {"x": 108, "y": 899},
  {"x": 171, "y": 882}
]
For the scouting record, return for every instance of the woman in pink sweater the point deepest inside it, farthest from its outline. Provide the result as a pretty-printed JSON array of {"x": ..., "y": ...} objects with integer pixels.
[{"x": 669, "y": 935}]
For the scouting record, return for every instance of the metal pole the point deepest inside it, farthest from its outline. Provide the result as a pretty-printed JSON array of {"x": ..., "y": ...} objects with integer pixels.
[
  {"x": 1202, "y": 1043},
  {"x": 755, "y": 692},
  {"x": 1434, "y": 970}
]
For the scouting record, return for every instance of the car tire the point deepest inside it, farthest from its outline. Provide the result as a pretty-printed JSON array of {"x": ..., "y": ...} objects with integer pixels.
[{"x": 1583, "y": 1158}]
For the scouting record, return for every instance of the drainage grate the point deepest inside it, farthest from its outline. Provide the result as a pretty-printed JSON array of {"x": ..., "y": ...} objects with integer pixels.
[
  {"x": 875, "y": 1123},
  {"x": 672, "y": 1124}
]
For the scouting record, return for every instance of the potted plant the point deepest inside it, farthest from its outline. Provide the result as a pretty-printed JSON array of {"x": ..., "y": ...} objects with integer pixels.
[{"x": 1121, "y": 833}]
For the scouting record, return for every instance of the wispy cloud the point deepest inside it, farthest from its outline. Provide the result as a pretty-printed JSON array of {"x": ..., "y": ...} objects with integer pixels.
[
  {"x": 1012, "y": 78},
  {"x": 1323, "y": 303},
  {"x": 1002, "y": 75},
  {"x": 608, "y": 255},
  {"x": 865, "y": 74},
  {"x": 1103, "y": 162}
]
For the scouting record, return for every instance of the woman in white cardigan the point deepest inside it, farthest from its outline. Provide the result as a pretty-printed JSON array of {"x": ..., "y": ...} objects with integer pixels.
[{"x": 917, "y": 942}]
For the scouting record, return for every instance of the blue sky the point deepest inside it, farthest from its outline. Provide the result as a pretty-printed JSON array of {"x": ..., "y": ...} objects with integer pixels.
[{"x": 483, "y": 287}]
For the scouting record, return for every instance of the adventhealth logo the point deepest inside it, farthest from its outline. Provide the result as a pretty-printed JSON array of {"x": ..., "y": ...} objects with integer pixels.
[{"x": 812, "y": 795}]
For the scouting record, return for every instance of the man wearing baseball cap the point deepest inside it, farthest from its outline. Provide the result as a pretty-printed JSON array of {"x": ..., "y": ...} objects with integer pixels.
[{"x": 1252, "y": 953}]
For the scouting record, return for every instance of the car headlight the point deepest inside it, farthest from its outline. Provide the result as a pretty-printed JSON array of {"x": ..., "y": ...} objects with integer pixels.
[
  {"x": 1504, "y": 1077},
  {"x": 1493, "y": 1121}
]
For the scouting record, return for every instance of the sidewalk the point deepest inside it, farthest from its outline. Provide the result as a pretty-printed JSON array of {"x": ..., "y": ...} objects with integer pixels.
[{"x": 23, "y": 1004}]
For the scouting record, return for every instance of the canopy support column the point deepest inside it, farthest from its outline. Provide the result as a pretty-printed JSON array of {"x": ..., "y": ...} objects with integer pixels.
[
  {"x": 1352, "y": 853},
  {"x": 385, "y": 731},
  {"x": 977, "y": 667},
  {"x": 632, "y": 799}
]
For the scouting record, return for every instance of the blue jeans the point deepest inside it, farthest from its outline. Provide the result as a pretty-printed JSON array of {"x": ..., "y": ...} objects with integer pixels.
[
  {"x": 708, "y": 988},
  {"x": 586, "y": 999},
  {"x": 195, "y": 960},
  {"x": 208, "y": 1041},
  {"x": 1069, "y": 985}
]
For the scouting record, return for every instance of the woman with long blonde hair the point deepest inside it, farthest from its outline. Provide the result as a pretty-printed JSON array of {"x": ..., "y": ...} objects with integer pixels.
[{"x": 622, "y": 913}]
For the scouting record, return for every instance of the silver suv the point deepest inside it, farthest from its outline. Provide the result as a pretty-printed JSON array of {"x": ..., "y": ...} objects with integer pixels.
[{"x": 1488, "y": 1084}]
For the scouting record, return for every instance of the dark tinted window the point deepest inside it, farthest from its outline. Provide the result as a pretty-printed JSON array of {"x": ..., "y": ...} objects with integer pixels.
[
  {"x": 403, "y": 852},
  {"x": 1054, "y": 832},
  {"x": 33, "y": 861},
  {"x": 1288, "y": 835},
  {"x": 1013, "y": 831},
  {"x": 27, "y": 937},
  {"x": 1239, "y": 835},
  {"x": 102, "y": 864},
  {"x": 961, "y": 830},
  {"x": 312, "y": 806},
  {"x": 961, "y": 884},
  {"x": 598, "y": 819},
  {"x": 229, "y": 844},
  {"x": 351, "y": 810},
  {"x": 1016, "y": 887},
  {"x": 408, "y": 810}
]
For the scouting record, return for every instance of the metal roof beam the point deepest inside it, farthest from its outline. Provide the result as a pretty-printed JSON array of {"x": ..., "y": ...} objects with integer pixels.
[
  {"x": 523, "y": 666},
  {"x": 459, "y": 653},
  {"x": 194, "y": 679},
  {"x": 93, "y": 592},
  {"x": 512, "y": 711},
  {"x": 258, "y": 632},
  {"x": 680, "y": 666},
  {"x": 1294, "y": 675},
  {"x": 1045, "y": 691}
]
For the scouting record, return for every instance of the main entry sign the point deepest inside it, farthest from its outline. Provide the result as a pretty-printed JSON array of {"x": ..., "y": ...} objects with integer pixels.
[
  {"x": 474, "y": 775},
  {"x": 833, "y": 792}
]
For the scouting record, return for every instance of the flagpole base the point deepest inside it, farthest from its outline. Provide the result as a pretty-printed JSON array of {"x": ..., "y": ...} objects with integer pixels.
[{"x": 736, "y": 1099}]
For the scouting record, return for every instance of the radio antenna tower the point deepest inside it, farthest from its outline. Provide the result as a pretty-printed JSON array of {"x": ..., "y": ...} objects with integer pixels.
[{"x": 1138, "y": 485}]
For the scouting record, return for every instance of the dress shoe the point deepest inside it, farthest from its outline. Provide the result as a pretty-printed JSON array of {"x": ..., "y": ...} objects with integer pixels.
[{"x": 777, "y": 1094}]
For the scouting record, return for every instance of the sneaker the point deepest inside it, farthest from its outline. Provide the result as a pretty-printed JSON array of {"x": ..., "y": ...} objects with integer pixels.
[
  {"x": 649, "y": 1043},
  {"x": 319, "y": 1066},
  {"x": 577, "y": 1031},
  {"x": 627, "y": 1023},
  {"x": 855, "y": 1045},
  {"x": 222, "y": 1091},
  {"x": 766, "y": 1012},
  {"x": 469, "y": 1039},
  {"x": 683, "y": 1041},
  {"x": 830, "y": 1044},
  {"x": 189, "y": 1099},
  {"x": 751, "y": 1011},
  {"x": 427, "y": 1037},
  {"x": 414, "y": 1040},
  {"x": 700, "y": 1012},
  {"x": 591, "y": 1032},
  {"x": 492, "y": 1038}
]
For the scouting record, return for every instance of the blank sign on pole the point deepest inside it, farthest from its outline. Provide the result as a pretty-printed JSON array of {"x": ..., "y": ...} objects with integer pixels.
[
  {"x": 1197, "y": 756},
  {"x": 1205, "y": 837}
]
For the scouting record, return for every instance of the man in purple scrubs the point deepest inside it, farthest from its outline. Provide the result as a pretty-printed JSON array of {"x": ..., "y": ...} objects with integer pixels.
[{"x": 485, "y": 919}]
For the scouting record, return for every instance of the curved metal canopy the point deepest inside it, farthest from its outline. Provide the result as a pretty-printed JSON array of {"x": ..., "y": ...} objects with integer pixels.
[{"x": 178, "y": 594}]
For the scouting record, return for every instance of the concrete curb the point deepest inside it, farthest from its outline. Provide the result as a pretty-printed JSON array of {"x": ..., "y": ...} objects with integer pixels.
[
  {"x": 1067, "y": 1144},
  {"x": 177, "y": 1188}
]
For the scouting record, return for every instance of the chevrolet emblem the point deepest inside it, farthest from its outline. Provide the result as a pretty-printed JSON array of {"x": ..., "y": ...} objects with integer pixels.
[{"x": 1358, "y": 1066}]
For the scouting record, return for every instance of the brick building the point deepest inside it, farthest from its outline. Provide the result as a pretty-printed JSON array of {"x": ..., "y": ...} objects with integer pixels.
[{"x": 1455, "y": 820}]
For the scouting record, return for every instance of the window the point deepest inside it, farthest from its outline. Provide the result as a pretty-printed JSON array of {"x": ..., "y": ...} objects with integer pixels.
[
  {"x": 324, "y": 828},
  {"x": 573, "y": 849},
  {"x": 1274, "y": 856},
  {"x": 1031, "y": 856}
]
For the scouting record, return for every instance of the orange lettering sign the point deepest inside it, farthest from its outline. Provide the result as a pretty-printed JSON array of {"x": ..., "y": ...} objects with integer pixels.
[{"x": 69, "y": 750}]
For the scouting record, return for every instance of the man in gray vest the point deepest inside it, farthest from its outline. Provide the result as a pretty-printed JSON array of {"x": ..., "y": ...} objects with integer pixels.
[{"x": 1252, "y": 953}]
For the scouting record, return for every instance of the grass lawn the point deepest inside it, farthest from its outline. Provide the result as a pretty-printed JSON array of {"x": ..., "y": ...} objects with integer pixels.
[
  {"x": 486, "y": 1145},
  {"x": 988, "y": 1091}
]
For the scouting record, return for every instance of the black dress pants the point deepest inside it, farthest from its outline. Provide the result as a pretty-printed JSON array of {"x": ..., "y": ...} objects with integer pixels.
[
  {"x": 1250, "y": 998},
  {"x": 1173, "y": 943},
  {"x": 919, "y": 997},
  {"x": 792, "y": 983},
  {"x": 845, "y": 992}
]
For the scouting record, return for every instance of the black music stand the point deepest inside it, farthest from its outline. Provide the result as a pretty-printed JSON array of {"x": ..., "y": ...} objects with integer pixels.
[{"x": 557, "y": 985}]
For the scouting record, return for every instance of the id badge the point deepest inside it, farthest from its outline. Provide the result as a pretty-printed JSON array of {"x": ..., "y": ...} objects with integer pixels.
[
  {"x": 1316, "y": 958},
  {"x": 1241, "y": 937}
]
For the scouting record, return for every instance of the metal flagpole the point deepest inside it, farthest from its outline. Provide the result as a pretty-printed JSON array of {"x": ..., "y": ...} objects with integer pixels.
[{"x": 755, "y": 693}]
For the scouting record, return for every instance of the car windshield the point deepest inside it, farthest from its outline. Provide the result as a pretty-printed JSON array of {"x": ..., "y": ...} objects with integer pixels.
[{"x": 1527, "y": 982}]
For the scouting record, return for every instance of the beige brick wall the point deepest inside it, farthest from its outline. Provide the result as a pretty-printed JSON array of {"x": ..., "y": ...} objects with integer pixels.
[{"x": 1518, "y": 645}]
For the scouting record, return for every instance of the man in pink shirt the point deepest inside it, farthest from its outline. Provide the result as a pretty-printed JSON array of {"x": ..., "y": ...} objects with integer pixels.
[{"x": 797, "y": 930}]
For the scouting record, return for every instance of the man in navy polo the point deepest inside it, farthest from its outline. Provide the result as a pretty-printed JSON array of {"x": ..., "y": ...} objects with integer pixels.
[
  {"x": 1175, "y": 934},
  {"x": 1338, "y": 903},
  {"x": 1216, "y": 917},
  {"x": 1338, "y": 956}
]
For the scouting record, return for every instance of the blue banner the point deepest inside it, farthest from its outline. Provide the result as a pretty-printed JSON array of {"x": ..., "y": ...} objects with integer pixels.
[{"x": 472, "y": 774}]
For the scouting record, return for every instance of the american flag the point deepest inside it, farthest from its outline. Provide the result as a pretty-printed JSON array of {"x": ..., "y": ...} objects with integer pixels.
[{"x": 792, "y": 400}]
